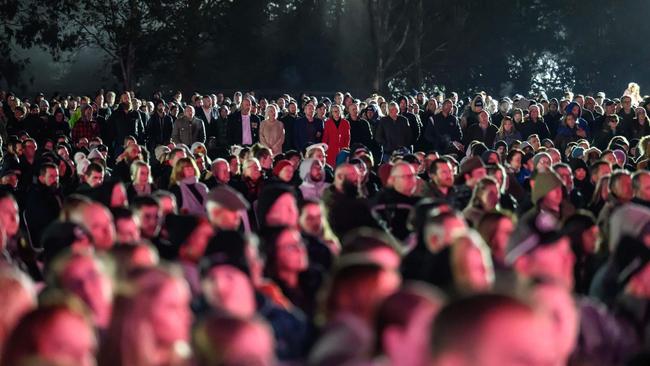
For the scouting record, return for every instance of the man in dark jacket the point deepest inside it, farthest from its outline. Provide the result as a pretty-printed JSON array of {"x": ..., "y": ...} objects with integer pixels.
[
  {"x": 43, "y": 201},
  {"x": 483, "y": 131},
  {"x": 243, "y": 127},
  {"x": 125, "y": 122},
  {"x": 307, "y": 130},
  {"x": 393, "y": 131},
  {"x": 445, "y": 133},
  {"x": 159, "y": 127},
  {"x": 207, "y": 113},
  {"x": 33, "y": 123},
  {"x": 394, "y": 202},
  {"x": 414, "y": 122},
  {"x": 289, "y": 121}
]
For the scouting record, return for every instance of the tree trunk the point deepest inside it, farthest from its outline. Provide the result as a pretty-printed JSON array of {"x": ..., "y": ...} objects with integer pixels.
[{"x": 417, "y": 42}]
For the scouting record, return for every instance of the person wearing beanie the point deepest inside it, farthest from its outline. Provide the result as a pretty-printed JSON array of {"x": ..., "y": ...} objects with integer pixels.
[
  {"x": 542, "y": 162},
  {"x": 283, "y": 172},
  {"x": 190, "y": 236},
  {"x": 629, "y": 226},
  {"x": 277, "y": 205},
  {"x": 471, "y": 171},
  {"x": 546, "y": 193},
  {"x": 61, "y": 236}
]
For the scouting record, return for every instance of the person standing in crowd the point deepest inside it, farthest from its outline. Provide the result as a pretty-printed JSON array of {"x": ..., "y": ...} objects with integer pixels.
[
  {"x": 123, "y": 122},
  {"x": 159, "y": 127},
  {"x": 243, "y": 127},
  {"x": 393, "y": 131},
  {"x": 188, "y": 129},
  {"x": 336, "y": 134},
  {"x": 67, "y": 223},
  {"x": 307, "y": 130},
  {"x": 272, "y": 133},
  {"x": 483, "y": 131}
]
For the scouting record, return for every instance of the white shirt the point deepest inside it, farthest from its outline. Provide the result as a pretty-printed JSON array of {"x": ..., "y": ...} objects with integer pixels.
[
  {"x": 246, "y": 135},
  {"x": 208, "y": 114}
]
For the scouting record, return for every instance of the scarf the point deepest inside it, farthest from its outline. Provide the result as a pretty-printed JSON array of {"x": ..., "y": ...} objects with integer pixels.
[{"x": 194, "y": 195}]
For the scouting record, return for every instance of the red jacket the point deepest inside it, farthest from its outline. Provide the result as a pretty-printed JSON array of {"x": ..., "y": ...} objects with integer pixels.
[{"x": 336, "y": 138}]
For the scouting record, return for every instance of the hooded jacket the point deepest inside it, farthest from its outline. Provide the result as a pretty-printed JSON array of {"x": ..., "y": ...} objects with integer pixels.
[{"x": 309, "y": 188}]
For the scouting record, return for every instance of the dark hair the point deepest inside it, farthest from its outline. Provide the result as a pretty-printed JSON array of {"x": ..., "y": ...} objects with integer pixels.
[
  {"x": 94, "y": 167},
  {"x": 574, "y": 227},
  {"x": 433, "y": 167},
  {"x": 512, "y": 153},
  {"x": 142, "y": 201},
  {"x": 45, "y": 167},
  {"x": 269, "y": 238}
]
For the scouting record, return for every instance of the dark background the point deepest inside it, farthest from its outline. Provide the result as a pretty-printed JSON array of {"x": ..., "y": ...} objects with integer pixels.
[{"x": 390, "y": 46}]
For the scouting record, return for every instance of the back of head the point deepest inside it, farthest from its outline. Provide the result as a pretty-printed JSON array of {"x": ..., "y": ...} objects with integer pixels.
[
  {"x": 459, "y": 326},
  {"x": 223, "y": 339}
]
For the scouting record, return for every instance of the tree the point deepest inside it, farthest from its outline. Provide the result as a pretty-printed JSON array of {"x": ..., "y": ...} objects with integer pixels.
[
  {"x": 389, "y": 29},
  {"x": 23, "y": 27}
]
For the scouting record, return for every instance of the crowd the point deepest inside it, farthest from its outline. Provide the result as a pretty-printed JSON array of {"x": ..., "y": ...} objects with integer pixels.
[{"x": 430, "y": 230}]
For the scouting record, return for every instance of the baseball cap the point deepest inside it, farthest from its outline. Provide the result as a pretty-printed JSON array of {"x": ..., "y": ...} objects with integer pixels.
[{"x": 534, "y": 231}]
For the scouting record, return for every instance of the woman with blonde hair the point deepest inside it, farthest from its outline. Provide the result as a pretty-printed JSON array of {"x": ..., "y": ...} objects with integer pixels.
[
  {"x": 141, "y": 180},
  {"x": 634, "y": 92},
  {"x": 643, "y": 151},
  {"x": 507, "y": 131},
  {"x": 272, "y": 130},
  {"x": 151, "y": 320},
  {"x": 191, "y": 195}
]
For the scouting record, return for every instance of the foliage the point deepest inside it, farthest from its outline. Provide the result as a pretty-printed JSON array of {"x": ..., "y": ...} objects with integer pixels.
[{"x": 500, "y": 46}]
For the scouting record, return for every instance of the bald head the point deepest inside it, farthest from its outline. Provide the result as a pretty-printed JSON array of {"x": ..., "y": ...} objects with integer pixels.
[
  {"x": 345, "y": 174},
  {"x": 98, "y": 220},
  {"x": 403, "y": 178}
]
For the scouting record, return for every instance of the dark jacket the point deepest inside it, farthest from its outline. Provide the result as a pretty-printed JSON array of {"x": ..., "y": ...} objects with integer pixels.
[
  {"x": 394, "y": 208},
  {"x": 361, "y": 133},
  {"x": 235, "y": 128},
  {"x": 487, "y": 136},
  {"x": 442, "y": 131},
  {"x": 528, "y": 127},
  {"x": 125, "y": 124},
  {"x": 42, "y": 206},
  {"x": 159, "y": 130},
  {"x": 306, "y": 133},
  {"x": 288, "y": 121},
  {"x": 392, "y": 134}
]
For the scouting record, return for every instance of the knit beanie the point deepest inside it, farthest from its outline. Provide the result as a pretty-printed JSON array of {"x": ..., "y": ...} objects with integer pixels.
[
  {"x": 279, "y": 166},
  {"x": 267, "y": 198},
  {"x": 538, "y": 157},
  {"x": 544, "y": 183},
  {"x": 180, "y": 227}
]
